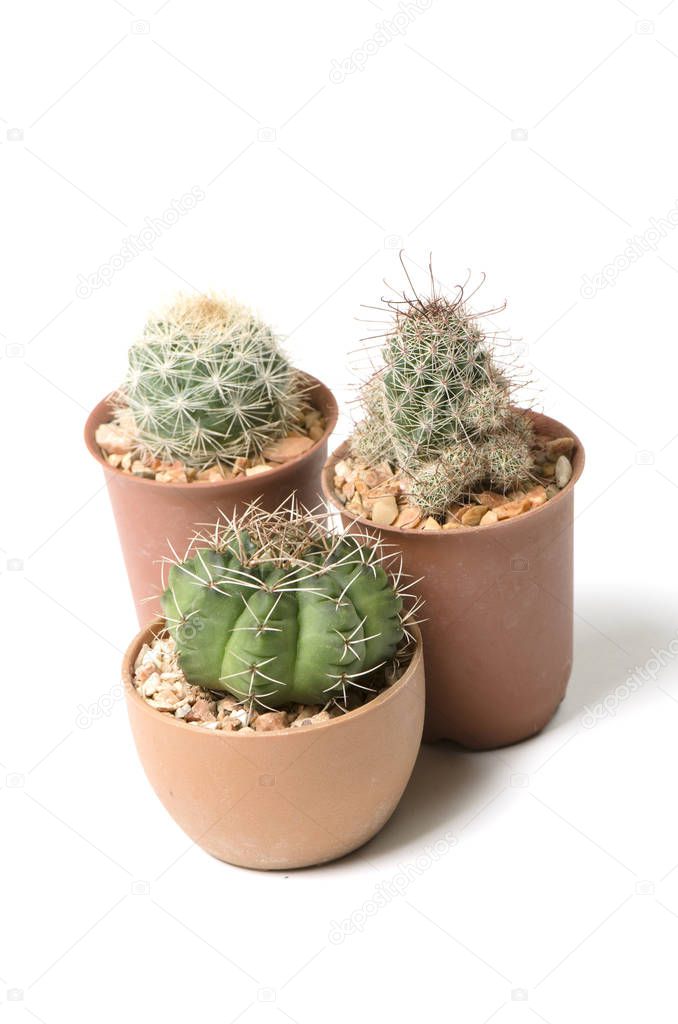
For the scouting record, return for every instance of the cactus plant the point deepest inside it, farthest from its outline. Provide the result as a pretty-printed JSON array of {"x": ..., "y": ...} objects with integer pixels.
[
  {"x": 274, "y": 608},
  {"x": 206, "y": 383},
  {"x": 440, "y": 407}
]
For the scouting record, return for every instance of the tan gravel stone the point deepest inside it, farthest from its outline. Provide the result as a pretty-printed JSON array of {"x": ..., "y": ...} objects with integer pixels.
[
  {"x": 430, "y": 524},
  {"x": 385, "y": 511},
  {"x": 489, "y": 518},
  {"x": 455, "y": 512},
  {"x": 473, "y": 515},
  {"x": 559, "y": 446},
  {"x": 512, "y": 509},
  {"x": 202, "y": 711},
  {"x": 165, "y": 700},
  {"x": 112, "y": 439},
  {"x": 288, "y": 448},
  {"x": 271, "y": 721},
  {"x": 172, "y": 473},
  {"x": 537, "y": 496},
  {"x": 227, "y": 704},
  {"x": 215, "y": 474},
  {"x": 305, "y": 714},
  {"x": 230, "y": 725},
  {"x": 490, "y": 499},
  {"x": 409, "y": 517}
]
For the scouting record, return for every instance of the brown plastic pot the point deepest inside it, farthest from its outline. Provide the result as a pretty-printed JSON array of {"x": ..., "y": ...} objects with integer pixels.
[
  {"x": 150, "y": 515},
  {"x": 498, "y": 629},
  {"x": 285, "y": 799}
]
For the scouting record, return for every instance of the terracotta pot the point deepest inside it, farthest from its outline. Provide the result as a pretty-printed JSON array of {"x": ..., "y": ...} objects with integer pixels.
[
  {"x": 498, "y": 629},
  {"x": 150, "y": 516},
  {"x": 286, "y": 799}
]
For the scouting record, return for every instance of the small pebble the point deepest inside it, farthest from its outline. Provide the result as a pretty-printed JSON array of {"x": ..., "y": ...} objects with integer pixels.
[
  {"x": 490, "y": 499},
  {"x": 430, "y": 524},
  {"x": 271, "y": 721},
  {"x": 473, "y": 515},
  {"x": 512, "y": 509},
  {"x": 385, "y": 511},
  {"x": 288, "y": 448},
  {"x": 202, "y": 711},
  {"x": 559, "y": 446},
  {"x": 537, "y": 496},
  {"x": 409, "y": 517},
  {"x": 563, "y": 471}
]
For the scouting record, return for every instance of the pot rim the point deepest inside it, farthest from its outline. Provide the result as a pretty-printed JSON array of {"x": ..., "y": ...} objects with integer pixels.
[
  {"x": 159, "y": 626},
  {"x": 331, "y": 418},
  {"x": 577, "y": 469}
]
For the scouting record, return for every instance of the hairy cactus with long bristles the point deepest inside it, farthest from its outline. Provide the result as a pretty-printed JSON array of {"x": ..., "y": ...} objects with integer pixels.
[
  {"x": 274, "y": 608},
  {"x": 207, "y": 382},
  {"x": 440, "y": 407}
]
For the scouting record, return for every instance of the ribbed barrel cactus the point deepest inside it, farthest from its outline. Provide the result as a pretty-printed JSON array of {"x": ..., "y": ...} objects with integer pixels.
[
  {"x": 440, "y": 407},
  {"x": 207, "y": 382},
  {"x": 277, "y": 609}
]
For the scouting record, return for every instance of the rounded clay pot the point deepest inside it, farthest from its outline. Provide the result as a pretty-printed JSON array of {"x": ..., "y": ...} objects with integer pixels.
[
  {"x": 498, "y": 613},
  {"x": 285, "y": 799},
  {"x": 151, "y": 516}
]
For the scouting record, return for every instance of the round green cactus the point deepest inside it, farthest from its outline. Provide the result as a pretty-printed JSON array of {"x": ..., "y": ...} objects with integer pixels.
[
  {"x": 277, "y": 609},
  {"x": 440, "y": 408},
  {"x": 206, "y": 383}
]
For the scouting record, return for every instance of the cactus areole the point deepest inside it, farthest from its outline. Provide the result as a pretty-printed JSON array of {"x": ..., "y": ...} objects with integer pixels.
[{"x": 278, "y": 609}]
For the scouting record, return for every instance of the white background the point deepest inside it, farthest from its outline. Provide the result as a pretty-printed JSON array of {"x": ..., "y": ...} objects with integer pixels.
[{"x": 559, "y": 899}]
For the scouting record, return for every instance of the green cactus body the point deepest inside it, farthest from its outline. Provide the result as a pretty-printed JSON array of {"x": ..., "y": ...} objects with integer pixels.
[
  {"x": 206, "y": 383},
  {"x": 281, "y": 631},
  {"x": 440, "y": 408}
]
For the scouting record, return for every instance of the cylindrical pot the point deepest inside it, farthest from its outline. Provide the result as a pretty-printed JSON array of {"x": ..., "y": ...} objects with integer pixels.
[
  {"x": 285, "y": 799},
  {"x": 498, "y": 613},
  {"x": 151, "y": 516}
]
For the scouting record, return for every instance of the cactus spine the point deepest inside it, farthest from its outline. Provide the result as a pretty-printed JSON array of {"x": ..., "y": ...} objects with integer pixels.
[
  {"x": 440, "y": 407},
  {"x": 206, "y": 383},
  {"x": 274, "y": 608}
]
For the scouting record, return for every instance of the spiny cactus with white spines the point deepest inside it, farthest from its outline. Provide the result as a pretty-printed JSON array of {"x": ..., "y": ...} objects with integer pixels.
[
  {"x": 274, "y": 608},
  {"x": 207, "y": 382},
  {"x": 440, "y": 407}
]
